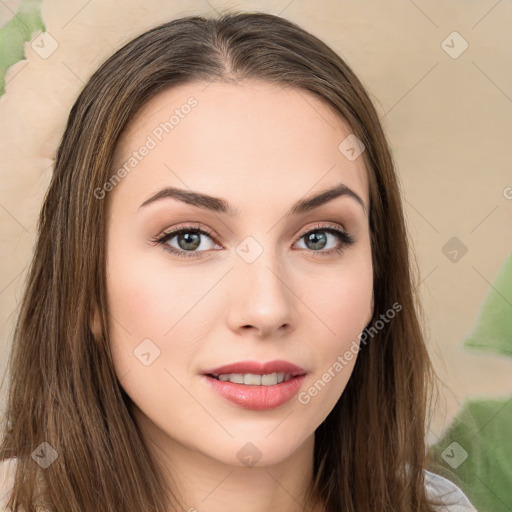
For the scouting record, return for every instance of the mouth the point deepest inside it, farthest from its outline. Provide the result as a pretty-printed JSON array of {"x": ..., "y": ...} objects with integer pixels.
[
  {"x": 254, "y": 385},
  {"x": 254, "y": 373}
]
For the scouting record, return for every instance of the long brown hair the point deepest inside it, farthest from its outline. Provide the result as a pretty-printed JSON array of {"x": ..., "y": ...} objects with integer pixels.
[{"x": 63, "y": 390}]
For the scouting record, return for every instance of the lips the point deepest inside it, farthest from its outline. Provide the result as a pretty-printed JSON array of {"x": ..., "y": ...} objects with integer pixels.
[
  {"x": 239, "y": 383},
  {"x": 256, "y": 368}
]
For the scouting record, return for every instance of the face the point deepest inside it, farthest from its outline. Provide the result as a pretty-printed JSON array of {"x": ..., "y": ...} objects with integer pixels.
[{"x": 248, "y": 277}]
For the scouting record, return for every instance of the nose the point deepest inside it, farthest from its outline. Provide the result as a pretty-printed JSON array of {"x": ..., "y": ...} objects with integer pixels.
[{"x": 263, "y": 297}]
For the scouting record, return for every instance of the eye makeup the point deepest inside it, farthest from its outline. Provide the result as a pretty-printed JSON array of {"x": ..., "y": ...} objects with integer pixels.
[{"x": 344, "y": 239}]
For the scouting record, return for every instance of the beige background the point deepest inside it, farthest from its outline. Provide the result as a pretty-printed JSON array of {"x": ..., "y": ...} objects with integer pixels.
[{"x": 448, "y": 121}]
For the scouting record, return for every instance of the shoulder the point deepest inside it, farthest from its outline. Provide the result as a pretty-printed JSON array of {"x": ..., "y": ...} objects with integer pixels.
[
  {"x": 441, "y": 488},
  {"x": 7, "y": 467}
]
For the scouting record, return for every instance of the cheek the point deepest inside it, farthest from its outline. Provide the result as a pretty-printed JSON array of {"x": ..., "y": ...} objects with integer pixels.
[
  {"x": 141, "y": 301},
  {"x": 145, "y": 294},
  {"x": 345, "y": 315},
  {"x": 342, "y": 302},
  {"x": 342, "y": 299},
  {"x": 149, "y": 300},
  {"x": 147, "y": 337},
  {"x": 137, "y": 301}
]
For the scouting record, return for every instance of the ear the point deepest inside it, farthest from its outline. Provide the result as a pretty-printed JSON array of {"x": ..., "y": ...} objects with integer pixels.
[{"x": 95, "y": 322}]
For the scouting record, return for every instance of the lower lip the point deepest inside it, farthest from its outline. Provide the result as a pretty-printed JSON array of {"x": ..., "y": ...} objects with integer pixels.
[{"x": 257, "y": 398}]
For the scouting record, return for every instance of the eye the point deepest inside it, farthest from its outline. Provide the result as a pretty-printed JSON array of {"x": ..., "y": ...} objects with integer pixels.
[
  {"x": 317, "y": 243},
  {"x": 188, "y": 240}
]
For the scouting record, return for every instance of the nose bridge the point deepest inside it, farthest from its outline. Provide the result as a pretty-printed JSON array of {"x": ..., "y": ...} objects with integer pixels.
[
  {"x": 264, "y": 294},
  {"x": 260, "y": 264}
]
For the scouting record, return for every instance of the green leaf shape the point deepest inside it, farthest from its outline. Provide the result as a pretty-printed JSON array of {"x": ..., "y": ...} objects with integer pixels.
[{"x": 492, "y": 330}]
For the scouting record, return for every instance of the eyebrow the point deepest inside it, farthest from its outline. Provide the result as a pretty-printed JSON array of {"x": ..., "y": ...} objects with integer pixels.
[{"x": 219, "y": 205}]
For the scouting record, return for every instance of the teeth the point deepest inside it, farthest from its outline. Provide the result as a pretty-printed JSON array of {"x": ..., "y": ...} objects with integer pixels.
[{"x": 252, "y": 379}]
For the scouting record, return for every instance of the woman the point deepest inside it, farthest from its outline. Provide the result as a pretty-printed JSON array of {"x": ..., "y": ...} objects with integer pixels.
[{"x": 220, "y": 310}]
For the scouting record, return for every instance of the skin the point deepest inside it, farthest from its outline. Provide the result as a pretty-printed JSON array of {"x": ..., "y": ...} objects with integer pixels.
[{"x": 261, "y": 147}]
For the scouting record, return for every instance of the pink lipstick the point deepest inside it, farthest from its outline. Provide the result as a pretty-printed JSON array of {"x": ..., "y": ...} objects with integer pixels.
[{"x": 254, "y": 385}]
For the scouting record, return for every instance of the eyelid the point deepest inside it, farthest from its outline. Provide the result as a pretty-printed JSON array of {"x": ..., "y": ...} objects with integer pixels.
[
  {"x": 323, "y": 225},
  {"x": 183, "y": 226}
]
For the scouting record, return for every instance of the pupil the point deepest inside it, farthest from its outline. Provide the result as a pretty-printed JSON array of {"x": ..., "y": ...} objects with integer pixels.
[
  {"x": 314, "y": 238},
  {"x": 195, "y": 237}
]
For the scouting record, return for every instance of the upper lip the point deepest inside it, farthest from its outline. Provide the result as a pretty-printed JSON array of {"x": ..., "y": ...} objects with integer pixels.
[{"x": 257, "y": 368}]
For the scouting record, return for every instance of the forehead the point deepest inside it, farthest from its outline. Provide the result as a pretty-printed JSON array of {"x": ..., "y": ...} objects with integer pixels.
[{"x": 239, "y": 139}]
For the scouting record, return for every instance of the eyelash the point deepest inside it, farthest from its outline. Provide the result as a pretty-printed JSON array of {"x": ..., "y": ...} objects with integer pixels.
[{"x": 345, "y": 239}]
